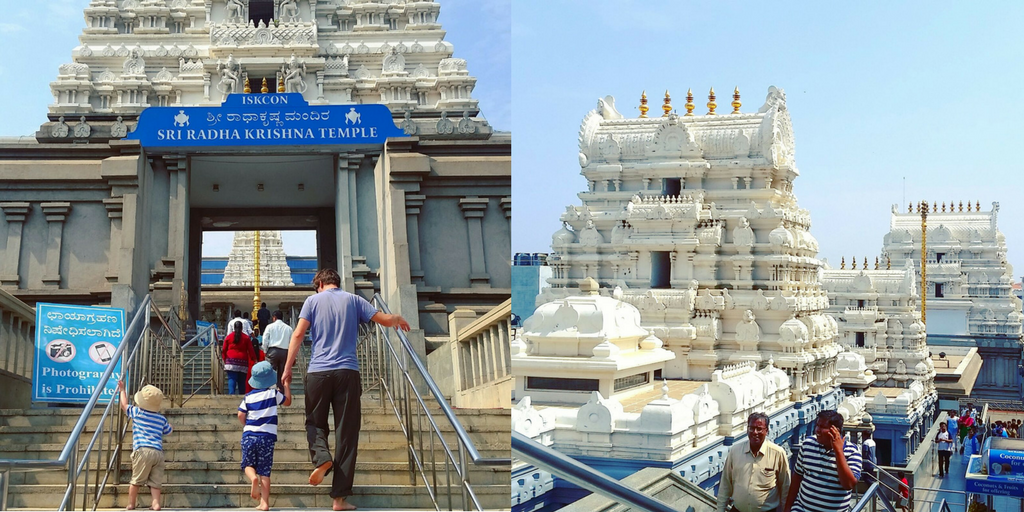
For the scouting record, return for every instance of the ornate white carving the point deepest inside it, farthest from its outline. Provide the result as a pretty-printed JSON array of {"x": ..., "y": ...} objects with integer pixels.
[
  {"x": 230, "y": 74},
  {"x": 445, "y": 125},
  {"x": 82, "y": 129},
  {"x": 289, "y": 10},
  {"x": 118, "y": 129},
  {"x": 134, "y": 65},
  {"x": 452, "y": 66},
  {"x": 236, "y": 11},
  {"x": 394, "y": 62},
  {"x": 292, "y": 73},
  {"x": 60, "y": 130}
]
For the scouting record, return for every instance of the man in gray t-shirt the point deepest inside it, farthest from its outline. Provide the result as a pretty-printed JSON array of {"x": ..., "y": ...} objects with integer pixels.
[{"x": 332, "y": 317}]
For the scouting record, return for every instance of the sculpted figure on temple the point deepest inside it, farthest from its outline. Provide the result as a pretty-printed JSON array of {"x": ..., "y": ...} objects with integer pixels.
[
  {"x": 134, "y": 64},
  {"x": 394, "y": 62},
  {"x": 742, "y": 235},
  {"x": 290, "y": 10},
  {"x": 293, "y": 72},
  {"x": 590, "y": 236},
  {"x": 901, "y": 367},
  {"x": 748, "y": 330},
  {"x": 236, "y": 11},
  {"x": 230, "y": 73}
]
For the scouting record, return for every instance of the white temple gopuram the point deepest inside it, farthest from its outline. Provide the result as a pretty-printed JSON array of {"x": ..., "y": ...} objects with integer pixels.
[
  {"x": 694, "y": 218},
  {"x": 969, "y": 301},
  {"x": 126, "y": 194},
  {"x": 274, "y": 269}
]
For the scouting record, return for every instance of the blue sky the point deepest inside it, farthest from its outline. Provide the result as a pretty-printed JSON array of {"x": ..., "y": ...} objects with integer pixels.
[
  {"x": 878, "y": 92},
  {"x": 37, "y": 37}
]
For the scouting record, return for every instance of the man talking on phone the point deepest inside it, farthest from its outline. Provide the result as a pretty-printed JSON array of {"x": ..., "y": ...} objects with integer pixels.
[{"x": 826, "y": 470}]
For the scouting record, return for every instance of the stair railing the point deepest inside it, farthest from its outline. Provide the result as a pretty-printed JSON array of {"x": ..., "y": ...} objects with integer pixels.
[
  {"x": 392, "y": 365},
  {"x": 584, "y": 476},
  {"x": 190, "y": 365},
  {"x": 106, "y": 440},
  {"x": 874, "y": 496}
]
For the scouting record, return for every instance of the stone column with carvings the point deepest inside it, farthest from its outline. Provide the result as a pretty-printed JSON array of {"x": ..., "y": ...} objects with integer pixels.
[
  {"x": 56, "y": 213},
  {"x": 15, "y": 213},
  {"x": 473, "y": 209},
  {"x": 413, "y": 203},
  {"x": 115, "y": 208}
]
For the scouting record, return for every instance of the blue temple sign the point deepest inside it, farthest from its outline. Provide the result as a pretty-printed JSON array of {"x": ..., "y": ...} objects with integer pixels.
[
  {"x": 280, "y": 119},
  {"x": 74, "y": 345}
]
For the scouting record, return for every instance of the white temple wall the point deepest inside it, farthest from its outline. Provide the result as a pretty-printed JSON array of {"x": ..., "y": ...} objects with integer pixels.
[{"x": 951, "y": 321}]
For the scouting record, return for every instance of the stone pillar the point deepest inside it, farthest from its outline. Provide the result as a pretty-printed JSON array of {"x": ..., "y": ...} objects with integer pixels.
[
  {"x": 115, "y": 207},
  {"x": 461, "y": 362},
  {"x": 506, "y": 207},
  {"x": 473, "y": 209},
  {"x": 56, "y": 213},
  {"x": 413, "y": 202},
  {"x": 353, "y": 195},
  {"x": 15, "y": 213}
]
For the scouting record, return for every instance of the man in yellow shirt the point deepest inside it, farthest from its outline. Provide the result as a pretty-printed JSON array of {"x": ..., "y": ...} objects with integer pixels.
[{"x": 756, "y": 473}]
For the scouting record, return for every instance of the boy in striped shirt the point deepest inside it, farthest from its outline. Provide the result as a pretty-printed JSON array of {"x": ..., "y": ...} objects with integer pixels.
[
  {"x": 827, "y": 468},
  {"x": 258, "y": 412},
  {"x": 148, "y": 429}
]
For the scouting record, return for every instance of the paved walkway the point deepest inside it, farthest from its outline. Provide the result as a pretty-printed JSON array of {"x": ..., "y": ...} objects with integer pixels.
[{"x": 953, "y": 486}]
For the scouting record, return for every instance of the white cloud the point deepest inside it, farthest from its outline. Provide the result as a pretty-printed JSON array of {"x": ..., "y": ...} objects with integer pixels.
[{"x": 10, "y": 28}]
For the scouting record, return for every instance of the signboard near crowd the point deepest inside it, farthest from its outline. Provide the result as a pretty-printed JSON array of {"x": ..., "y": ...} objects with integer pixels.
[{"x": 74, "y": 345}]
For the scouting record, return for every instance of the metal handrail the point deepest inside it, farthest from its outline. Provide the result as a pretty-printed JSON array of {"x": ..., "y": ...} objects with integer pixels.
[
  {"x": 69, "y": 454},
  {"x": 584, "y": 476},
  {"x": 402, "y": 392},
  {"x": 873, "y": 493}
]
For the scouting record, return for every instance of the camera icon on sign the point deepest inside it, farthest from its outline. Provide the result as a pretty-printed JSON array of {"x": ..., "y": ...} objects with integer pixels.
[{"x": 60, "y": 351}]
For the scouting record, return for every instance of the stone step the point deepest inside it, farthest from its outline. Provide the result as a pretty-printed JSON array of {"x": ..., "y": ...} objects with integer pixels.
[
  {"x": 13, "y": 438},
  {"x": 200, "y": 410},
  {"x": 284, "y": 451},
  {"x": 284, "y": 473},
  {"x": 282, "y": 496}
]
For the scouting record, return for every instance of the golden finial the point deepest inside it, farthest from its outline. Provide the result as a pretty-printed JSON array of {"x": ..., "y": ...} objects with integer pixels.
[
  {"x": 977, "y": 206},
  {"x": 943, "y": 207},
  {"x": 247, "y": 89},
  {"x": 736, "y": 101},
  {"x": 280, "y": 84},
  {"x": 962, "y": 206},
  {"x": 910, "y": 208},
  {"x": 263, "y": 88},
  {"x": 667, "y": 107},
  {"x": 842, "y": 263},
  {"x": 876, "y": 262},
  {"x": 643, "y": 104},
  {"x": 689, "y": 102},
  {"x": 711, "y": 102},
  {"x": 935, "y": 207},
  {"x": 888, "y": 263},
  {"x": 865, "y": 262}
]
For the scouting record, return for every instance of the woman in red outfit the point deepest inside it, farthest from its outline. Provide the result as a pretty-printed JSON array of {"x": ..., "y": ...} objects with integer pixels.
[
  {"x": 259, "y": 356},
  {"x": 238, "y": 357}
]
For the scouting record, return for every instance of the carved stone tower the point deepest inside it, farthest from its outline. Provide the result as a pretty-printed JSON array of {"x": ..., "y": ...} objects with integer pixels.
[{"x": 693, "y": 220}]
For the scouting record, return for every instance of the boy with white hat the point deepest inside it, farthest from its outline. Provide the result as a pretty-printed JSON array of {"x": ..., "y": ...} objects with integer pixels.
[
  {"x": 258, "y": 412},
  {"x": 148, "y": 429}
]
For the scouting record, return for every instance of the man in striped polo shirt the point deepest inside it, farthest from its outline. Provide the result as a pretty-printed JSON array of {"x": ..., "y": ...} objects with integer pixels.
[
  {"x": 148, "y": 430},
  {"x": 826, "y": 470}
]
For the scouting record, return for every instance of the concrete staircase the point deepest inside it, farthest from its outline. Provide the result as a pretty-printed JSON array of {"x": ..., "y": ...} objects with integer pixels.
[
  {"x": 203, "y": 455},
  {"x": 197, "y": 371}
]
